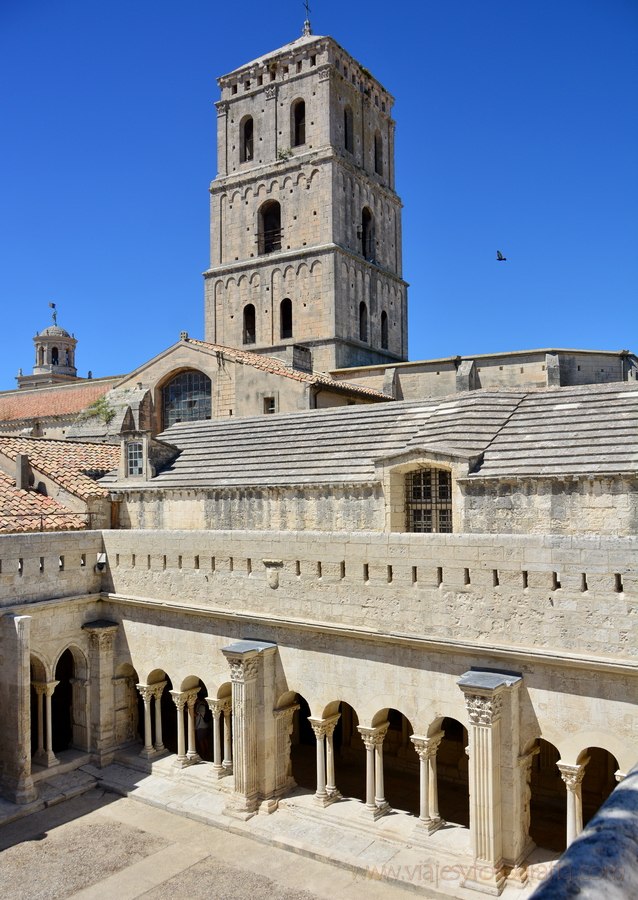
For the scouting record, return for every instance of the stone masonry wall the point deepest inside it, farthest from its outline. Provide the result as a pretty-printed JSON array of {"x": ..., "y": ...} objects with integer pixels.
[{"x": 564, "y": 594}]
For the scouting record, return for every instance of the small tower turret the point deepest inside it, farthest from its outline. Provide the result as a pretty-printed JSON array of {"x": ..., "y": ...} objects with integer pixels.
[{"x": 54, "y": 356}]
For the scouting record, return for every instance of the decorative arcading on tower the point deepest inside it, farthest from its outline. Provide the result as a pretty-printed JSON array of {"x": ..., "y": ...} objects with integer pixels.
[{"x": 305, "y": 221}]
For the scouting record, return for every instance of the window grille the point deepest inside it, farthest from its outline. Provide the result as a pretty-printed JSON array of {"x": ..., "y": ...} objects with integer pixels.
[
  {"x": 428, "y": 500},
  {"x": 134, "y": 458},
  {"x": 187, "y": 398}
]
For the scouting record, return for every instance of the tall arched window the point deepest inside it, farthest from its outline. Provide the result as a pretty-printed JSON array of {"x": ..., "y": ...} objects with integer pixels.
[
  {"x": 246, "y": 139},
  {"x": 285, "y": 318},
  {"x": 298, "y": 136},
  {"x": 269, "y": 227},
  {"x": 55, "y": 357},
  {"x": 363, "y": 322},
  {"x": 378, "y": 153},
  {"x": 367, "y": 235},
  {"x": 384, "y": 330},
  {"x": 348, "y": 140},
  {"x": 186, "y": 398},
  {"x": 249, "y": 324},
  {"x": 428, "y": 500}
]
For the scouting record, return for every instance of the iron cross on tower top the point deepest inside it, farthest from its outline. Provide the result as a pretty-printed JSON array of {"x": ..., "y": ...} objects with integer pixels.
[{"x": 306, "y": 25}]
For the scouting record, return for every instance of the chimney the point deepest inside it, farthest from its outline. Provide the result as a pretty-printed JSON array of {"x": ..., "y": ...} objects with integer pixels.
[
  {"x": 23, "y": 472},
  {"x": 299, "y": 357}
]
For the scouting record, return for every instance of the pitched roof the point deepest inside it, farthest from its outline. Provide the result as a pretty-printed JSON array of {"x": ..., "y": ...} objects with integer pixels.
[
  {"x": 57, "y": 400},
  {"x": 73, "y": 465},
  {"x": 22, "y": 511},
  {"x": 276, "y": 366},
  {"x": 589, "y": 430}
]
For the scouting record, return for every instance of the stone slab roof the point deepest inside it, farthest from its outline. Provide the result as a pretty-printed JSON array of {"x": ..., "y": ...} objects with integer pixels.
[
  {"x": 49, "y": 402},
  {"x": 24, "y": 511},
  {"x": 275, "y": 366},
  {"x": 589, "y": 430},
  {"x": 73, "y": 465}
]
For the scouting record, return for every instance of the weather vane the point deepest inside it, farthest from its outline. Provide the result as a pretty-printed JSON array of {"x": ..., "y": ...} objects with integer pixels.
[
  {"x": 54, "y": 313},
  {"x": 306, "y": 25}
]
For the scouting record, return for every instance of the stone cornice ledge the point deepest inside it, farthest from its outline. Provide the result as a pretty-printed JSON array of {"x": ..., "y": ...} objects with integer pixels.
[{"x": 526, "y": 654}]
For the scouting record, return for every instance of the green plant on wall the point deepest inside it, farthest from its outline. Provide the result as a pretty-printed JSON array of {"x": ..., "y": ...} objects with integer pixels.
[{"x": 99, "y": 409}]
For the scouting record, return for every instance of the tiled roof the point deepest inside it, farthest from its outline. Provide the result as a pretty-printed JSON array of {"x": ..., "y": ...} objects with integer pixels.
[
  {"x": 590, "y": 430},
  {"x": 278, "y": 367},
  {"x": 22, "y": 511},
  {"x": 74, "y": 466},
  {"x": 57, "y": 400}
]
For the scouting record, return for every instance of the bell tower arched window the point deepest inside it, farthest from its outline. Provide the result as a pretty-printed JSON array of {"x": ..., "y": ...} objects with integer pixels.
[
  {"x": 428, "y": 500},
  {"x": 378, "y": 153},
  {"x": 348, "y": 138},
  {"x": 55, "y": 356},
  {"x": 384, "y": 330},
  {"x": 367, "y": 235},
  {"x": 249, "y": 324},
  {"x": 186, "y": 398},
  {"x": 246, "y": 139},
  {"x": 285, "y": 318},
  {"x": 269, "y": 227},
  {"x": 298, "y": 136},
  {"x": 363, "y": 322}
]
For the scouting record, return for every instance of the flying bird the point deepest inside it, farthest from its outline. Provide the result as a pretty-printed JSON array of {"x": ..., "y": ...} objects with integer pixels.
[{"x": 500, "y": 257}]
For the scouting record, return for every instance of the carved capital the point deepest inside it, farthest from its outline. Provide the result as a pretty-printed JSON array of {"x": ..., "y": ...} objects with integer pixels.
[
  {"x": 191, "y": 697},
  {"x": 270, "y": 92},
  {"x": 483, "y": 709},
  {"x": 158, "y": 689},
  {"x": 147, "y": 691},
  {"x": 285, "y": 712},
  {"x": 572, "y": 775},
  {"x": 102, "y": 639},
  {"x": 222, "y": 108},
  {"x": 243, "y": 669},
  {"x": 272, "y": 571},
  {"x": 373, "y": 737},
  {"x": 427, "y": 747},
  {"x": 323, "y": 727},
  {"x": 179, "y": 699},
  {"x": 324, "y": 73}
]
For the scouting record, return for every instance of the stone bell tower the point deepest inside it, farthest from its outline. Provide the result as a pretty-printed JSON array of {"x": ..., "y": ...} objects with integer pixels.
[
  {"x": 54, "y": 357},
  {"x": 305, "y": 221}
]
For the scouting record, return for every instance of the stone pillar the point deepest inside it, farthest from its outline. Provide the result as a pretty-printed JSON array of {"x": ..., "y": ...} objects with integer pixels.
[
  {"x": 179, "y": 699},
  {"x": 191, "y": 699},
  {"x": 215, "y": 707},
  {"x": 158, "y": 690},
  {"x": 331, "y": 787},
  {"x": 321, "y": 795},
  {"x": 246, "y": 660},
  {"x": 51, "y": 759},
  {"x": 102, "y": 705},
  {"x": 484, "y": 692},
  {"x": 227, "y": 761},
  {"x": 376, "y": 805},
  {"x": 39, "y": 692},
  {"x": 427, "y": 748},
  {"x": 283, "y": 773},
  {"x": 573, "y": 778},
  {"x": 16, "y": 782},
  {"x": 147, "y": 692}
]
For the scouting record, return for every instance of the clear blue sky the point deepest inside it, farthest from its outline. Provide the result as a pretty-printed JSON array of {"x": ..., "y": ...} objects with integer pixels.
[{"x": 516, "y": 129}]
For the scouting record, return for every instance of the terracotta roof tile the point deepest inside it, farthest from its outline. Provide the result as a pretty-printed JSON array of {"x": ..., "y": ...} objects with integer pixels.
[
  {"x": 278, "y": 367},
  {"x": 22, "y": 511},
  {"x": 58, "y": 400},
  {"x": 73, "y": 465}
]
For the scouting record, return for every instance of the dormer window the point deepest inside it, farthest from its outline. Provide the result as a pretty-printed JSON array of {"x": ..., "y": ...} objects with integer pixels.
[
  {"x": 428, "y": 500},
  {"x": 134, "y": 458}
]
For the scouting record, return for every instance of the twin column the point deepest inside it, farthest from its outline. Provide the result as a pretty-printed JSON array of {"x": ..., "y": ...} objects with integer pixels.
[
  {"x": 44, "y": 755},
  {"x": 426, "y": 748},
  {"x": 324, "y": 733}
]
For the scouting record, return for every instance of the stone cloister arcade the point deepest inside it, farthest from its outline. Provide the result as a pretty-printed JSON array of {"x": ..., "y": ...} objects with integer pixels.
[{"x": 268, "y": 744}]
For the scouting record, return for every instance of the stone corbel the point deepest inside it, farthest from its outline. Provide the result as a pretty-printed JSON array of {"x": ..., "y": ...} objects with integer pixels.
[{"x": 272, "y": 571}]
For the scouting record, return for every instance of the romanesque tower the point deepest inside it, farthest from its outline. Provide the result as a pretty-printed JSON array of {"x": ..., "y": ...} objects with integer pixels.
[{"x": 305, "y": 221}]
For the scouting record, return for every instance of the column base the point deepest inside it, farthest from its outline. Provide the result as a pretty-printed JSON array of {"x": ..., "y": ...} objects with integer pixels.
[
  {"x": 269, "y": 806},
  {"x": 429, "y": 826},
  {"x": 23, "y": 791},
  {"x": 377, "y": 811},
  {"x": 228, "y": 765},
  {"x": 46, "y": 758},
  {"x": 193, "y": 757},
  {"x": 148, "y": 754},
  {"x": 485, "y": 878},
  {"x": 333, "y": 794},
  {"x": 242, "y": 808},
  {"x": 160, "y": 748},
  {"x": 181, "y": 762}
]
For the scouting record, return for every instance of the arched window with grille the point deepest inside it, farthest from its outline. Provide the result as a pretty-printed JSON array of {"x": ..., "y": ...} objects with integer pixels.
[
  {"x": 186, "y": 398},
  {"x": 428, "y": 500},
  {"x": 367, "y": 234},
  {"x": 363, "y": 322},
  {"x": 384, "y": 330},
  {"x": 378, "y": 153},
  {"x": 285, "y": 318},
  {"x": 298, "y": 124},
  {"x": 246, "y": 139},
  {"x": 348, "y": 137},
  {"x": 269, "y": 227},
  {"x": 248, "y": 336}
]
